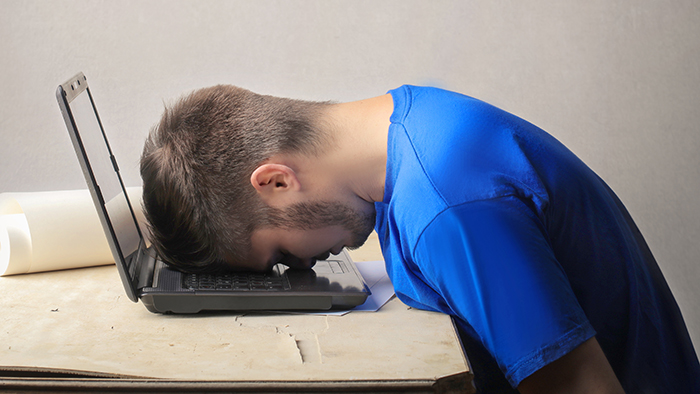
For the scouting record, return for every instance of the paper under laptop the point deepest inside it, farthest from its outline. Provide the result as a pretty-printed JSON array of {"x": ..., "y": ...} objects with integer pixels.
[{"x": 332, "y": 284}]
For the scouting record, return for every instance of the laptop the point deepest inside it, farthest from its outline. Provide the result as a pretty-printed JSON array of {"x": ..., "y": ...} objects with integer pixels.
[{"x": 332, "y": 284}]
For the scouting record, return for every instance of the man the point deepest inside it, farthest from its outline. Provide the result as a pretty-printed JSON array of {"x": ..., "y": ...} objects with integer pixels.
[{"x": 480, "y": 215}]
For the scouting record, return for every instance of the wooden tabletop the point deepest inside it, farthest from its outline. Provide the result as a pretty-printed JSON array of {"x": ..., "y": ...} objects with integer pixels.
[{"x": 77, "y": 328}]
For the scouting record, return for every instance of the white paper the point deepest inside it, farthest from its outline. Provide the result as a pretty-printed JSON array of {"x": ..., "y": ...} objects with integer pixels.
[
  {"x": 378, "y": 281},
  {"x": 45, "y": 231}
]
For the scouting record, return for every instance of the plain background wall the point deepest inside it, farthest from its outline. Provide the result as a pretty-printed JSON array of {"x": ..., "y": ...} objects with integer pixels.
[{"x": 618, "y": 81}]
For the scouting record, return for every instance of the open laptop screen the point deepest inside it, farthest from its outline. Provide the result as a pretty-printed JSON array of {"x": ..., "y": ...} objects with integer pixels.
[{"x": 105, "y": 173}]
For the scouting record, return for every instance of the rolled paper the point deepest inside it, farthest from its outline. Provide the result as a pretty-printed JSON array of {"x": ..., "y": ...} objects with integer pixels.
[
  {"x": 15, "y": 245},
  {"x": 46, "y": 231}
]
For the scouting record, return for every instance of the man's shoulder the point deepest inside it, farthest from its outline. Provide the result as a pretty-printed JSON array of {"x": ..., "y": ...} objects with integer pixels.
[{"x": 433, "y": 102}]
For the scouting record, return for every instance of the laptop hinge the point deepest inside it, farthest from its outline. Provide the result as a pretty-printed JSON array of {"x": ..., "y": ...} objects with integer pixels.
[{"x": 148, "y": 262}]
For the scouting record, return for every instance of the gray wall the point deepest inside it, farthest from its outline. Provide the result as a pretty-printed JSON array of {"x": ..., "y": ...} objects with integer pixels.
[{"x": 618, "y": 81}]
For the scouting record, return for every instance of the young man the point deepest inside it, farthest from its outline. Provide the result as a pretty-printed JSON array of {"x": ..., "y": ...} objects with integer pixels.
[{"x": 480, "y": 215}]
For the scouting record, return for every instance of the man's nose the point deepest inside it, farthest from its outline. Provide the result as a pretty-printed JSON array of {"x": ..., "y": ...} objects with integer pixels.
[
  {"x": 323, "y": 256},
  {"x": 295, "y": 262},
  {"x": 305, "y": 263}
]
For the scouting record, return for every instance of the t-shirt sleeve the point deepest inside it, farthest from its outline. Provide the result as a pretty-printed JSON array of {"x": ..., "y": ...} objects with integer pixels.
[{"x": 492, "y": 264}]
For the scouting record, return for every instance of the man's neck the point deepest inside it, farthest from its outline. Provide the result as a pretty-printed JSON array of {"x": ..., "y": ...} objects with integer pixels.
[
  {"x": 352, "y": 168},
  {"x": 359, "y": 130}
]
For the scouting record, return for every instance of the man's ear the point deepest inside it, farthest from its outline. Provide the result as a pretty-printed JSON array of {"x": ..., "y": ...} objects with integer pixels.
[{"x": 272, "y": 180}]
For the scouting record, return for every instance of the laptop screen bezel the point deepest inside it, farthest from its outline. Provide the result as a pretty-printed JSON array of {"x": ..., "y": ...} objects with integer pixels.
[{"x": 66, "y": 93}]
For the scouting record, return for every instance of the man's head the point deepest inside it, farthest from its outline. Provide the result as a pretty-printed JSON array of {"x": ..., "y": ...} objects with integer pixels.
[{"x": 196, "y": 168}]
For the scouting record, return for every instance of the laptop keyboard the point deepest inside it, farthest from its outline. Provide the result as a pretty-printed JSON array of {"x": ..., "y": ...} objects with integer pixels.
[{"x": 236, "y": 282}]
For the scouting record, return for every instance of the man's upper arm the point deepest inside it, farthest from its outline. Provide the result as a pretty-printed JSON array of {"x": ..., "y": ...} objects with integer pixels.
[{"x": 583, "y": 370}]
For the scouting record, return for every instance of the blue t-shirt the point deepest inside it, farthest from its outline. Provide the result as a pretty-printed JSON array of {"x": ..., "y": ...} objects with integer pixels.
[{"x": 489, "y": 219}]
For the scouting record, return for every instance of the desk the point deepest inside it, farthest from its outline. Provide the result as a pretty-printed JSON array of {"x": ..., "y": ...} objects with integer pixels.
[{"x": 77, "y": 330}]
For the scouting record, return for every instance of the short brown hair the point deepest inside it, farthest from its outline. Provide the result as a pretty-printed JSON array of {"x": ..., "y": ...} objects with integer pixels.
[{"x": 196, "y": 166}]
